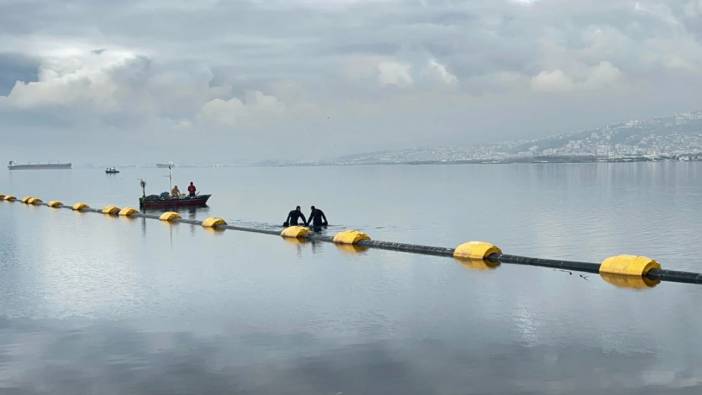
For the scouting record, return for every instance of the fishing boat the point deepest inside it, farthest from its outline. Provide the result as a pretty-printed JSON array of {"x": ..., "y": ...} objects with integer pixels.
[
  {"x": 164, "y": 201},
  {"x": 111, "y": 170},
  {"x": 37, "y": 166}
]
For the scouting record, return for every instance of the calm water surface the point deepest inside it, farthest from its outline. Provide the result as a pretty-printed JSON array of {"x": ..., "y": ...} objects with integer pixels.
[{"x": 97, "y": 305}]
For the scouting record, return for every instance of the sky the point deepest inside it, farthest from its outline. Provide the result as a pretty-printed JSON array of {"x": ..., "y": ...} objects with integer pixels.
[{"x": 236, "y": 81}]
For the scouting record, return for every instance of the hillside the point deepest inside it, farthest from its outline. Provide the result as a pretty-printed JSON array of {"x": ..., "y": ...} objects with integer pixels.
[{"x": 675, "y": 137}]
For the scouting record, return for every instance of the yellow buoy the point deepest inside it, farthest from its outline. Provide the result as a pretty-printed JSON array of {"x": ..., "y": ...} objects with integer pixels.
[
  {"x": 128, "y": 212},
  {"x": 170, "y": 216},
  {"x": 629, "y": 265},
  {"x": 34, "y": 201},
  {"x": 110, "y": 210},
  {"x": 295, "y": 232},
  {"x": 26, "y": 199},
  {"x": 54, "y": 204},
  {"x": 213, "y": 222},
  {"x": 80, "y": 206},
  {"x": 10, "y": 198},
  {"x": 476, "y": 250},
  {"x": 350, "y": 236}
]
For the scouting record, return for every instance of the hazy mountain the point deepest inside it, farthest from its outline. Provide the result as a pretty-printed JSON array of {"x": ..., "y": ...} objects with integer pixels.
[{"x": 674, "y": 137}]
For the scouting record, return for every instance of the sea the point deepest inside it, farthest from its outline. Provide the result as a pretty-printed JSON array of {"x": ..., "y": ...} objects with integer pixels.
[{"x": 94, "y": 304}]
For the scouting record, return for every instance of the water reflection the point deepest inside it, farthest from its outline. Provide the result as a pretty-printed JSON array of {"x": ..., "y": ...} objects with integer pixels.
[
  {"x": 631, "y": 282},
  {"x": 192, "y": 211},
  {"x": 298, "y": 243},
  {"x": 478, "y": 264},
  {"x": 118, "y": 360},
  {"x": 351, "y": 249},
  {"x": 143, "y": 226}
]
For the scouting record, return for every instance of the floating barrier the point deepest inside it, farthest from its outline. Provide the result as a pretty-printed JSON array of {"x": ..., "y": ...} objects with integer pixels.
[
  {"x": 54, "y": 204},
  {"x": 80, "y": 206},
  {"x": 476, "y": 250},
  {"x": 111, "y": 210},
  {"x": 629, "y": 271},
  {"x": 213, "y": 222},
  {"x": 128, "y": 212},
  {"x": 352, "y": 237},
  {"x": 295, "y": 232},
  {"x": 170, "y": 216},
  {"x": 628, "y": 265}
]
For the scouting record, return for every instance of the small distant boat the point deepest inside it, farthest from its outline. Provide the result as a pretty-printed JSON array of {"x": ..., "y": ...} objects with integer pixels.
[
  {"x": 111, "y": 170},
  {"x": 166, "y": 201},
  {"x": 37, "y": 166},
  {"x": 168, "y": 165}
]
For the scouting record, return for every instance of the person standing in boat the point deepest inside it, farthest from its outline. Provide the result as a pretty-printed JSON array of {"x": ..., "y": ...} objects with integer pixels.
[
  {"x": 175, "y": 192},
  {"x": 317, "y": 219},
  {"x": 293, "y": 216},
  {"x": 191, "y": 189}
]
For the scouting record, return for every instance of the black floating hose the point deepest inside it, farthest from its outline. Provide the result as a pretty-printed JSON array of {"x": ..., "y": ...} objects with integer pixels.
[
  {"x": 675, "y": 276},
  {"x": 252, "y": 230},
  {"x": 554, "y": 263},
  {"x": 410, "y": 248}
]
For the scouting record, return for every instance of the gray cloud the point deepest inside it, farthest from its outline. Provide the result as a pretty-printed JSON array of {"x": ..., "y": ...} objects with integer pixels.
[
  {"x": 255, "y": 80},
  {"x": 16, "y": 67}
]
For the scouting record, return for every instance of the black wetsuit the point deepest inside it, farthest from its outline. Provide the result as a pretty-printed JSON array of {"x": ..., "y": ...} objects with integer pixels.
[
  {"x": 293, "y": 216},
  {"x": 318, "y": 219}
]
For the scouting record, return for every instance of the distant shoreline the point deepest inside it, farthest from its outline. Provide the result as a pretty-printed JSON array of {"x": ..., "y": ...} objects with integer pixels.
[
  {"x": 528, "y": 160},
  {"x": 525, "y": 160}
]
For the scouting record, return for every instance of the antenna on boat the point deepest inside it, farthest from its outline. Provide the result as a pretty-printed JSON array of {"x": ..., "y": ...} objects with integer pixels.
[
  {"x": 143, "y": 187},
  {"x": 170, "y": 176}
]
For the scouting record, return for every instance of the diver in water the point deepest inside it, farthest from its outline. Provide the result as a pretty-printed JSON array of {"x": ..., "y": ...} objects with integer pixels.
[
  {"x": 317, "y": 219},
  {"x": 293, "y": 216}
]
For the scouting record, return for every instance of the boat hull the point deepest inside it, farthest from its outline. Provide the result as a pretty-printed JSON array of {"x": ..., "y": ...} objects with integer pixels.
[
  {"x": 39, "y": 166},
  {"x": 198, "y": 201}
]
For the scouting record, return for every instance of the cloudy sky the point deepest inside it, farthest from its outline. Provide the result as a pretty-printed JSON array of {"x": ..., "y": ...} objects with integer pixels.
[{"x": 225, "y": 81}]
